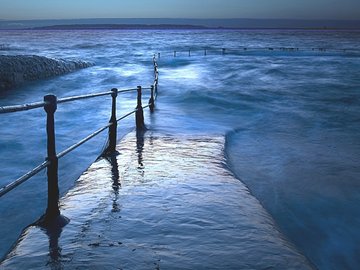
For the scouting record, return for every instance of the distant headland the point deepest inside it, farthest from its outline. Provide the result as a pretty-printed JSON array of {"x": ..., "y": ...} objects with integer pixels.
[
  {"x": 119, "y": 26},
  {"x": 168, "y": 23}
]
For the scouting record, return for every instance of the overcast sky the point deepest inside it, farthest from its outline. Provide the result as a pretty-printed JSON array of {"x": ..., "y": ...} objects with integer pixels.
[{"x": 73, "y": 9}]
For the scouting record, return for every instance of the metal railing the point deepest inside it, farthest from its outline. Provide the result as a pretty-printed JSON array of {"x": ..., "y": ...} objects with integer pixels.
[
  {"x": 51, "y": 163},
  {"x": 244, "y": 50}
]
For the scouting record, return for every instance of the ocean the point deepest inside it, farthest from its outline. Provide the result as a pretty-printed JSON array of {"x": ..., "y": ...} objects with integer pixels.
[{"x": 287, "y": 103}]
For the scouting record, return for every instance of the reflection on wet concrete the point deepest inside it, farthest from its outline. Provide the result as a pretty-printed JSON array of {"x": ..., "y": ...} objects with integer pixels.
[
  {"x": 116, "y": 185},
  {"x": 139, "y": 148},
  {"x": 53, "y": 232},
  {"x": 183, "y": 210}
]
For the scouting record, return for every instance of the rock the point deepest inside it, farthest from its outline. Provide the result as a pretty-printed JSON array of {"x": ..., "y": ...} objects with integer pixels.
[{"x": 16, "y": 70}]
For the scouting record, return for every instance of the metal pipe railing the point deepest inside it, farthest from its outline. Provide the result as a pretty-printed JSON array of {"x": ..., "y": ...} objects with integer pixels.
[
  {"x": 243, "y": 49},
  {"x": 23, "y": 107},
  {"x": 51, "y": 163},
  {"x": 24, "y": 178},
  {"x": 34, "y": 105}
]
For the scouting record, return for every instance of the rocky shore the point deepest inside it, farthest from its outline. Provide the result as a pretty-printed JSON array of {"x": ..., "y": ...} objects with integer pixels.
[{"x": 16, "y": 70}]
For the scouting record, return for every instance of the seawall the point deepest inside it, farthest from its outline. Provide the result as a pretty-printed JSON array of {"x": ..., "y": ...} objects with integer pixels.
[{"x": 16, "y": 70}]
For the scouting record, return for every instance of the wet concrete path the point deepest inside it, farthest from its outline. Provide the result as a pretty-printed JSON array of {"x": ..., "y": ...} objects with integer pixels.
[{"x": 162, "y": 203}]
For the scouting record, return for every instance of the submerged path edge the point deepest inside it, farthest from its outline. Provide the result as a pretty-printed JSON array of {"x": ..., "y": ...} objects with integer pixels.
[{"x": 161, "y": 187}]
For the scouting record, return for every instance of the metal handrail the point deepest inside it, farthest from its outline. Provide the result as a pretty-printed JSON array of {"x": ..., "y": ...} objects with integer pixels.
[
  {"x": 23, "y": 178},
  {"x": 43, "y": 165},
  {"x": 50, "y": 104},
  {"x": 92, "y": 135},
  {"x": 34, "y": 105},
  {"x": 244, "y": 49},
  {"x": 23, "y": 107},
  {"x": 128, "y": 114}
]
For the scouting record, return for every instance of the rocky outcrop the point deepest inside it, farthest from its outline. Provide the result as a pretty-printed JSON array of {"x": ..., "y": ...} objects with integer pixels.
[{"x": 16, "y": 70}]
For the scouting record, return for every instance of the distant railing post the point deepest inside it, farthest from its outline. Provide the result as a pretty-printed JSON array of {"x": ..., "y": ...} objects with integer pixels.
[
  {"x": 156, "y": 74},
  {"x": 155, "y": 68},
  {"x": 174, "y": 53},
  {"x": 223, "y": 51},
  {"x": 152, "y": 100},
  {"x": 189, "y": 53},
  {"x": 113, "y": 128},
  {"x": 158, "y": 55},
  {"x": 52, "y": 210},
  {"x": 205, "y": 53},
  {"x": 156, "y": 87},
  {"x": 139, "y": 111}
]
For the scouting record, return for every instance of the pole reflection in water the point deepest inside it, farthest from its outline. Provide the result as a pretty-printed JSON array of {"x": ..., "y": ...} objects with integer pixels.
[
  {"x": 115, "y": 178},
  {"x": 53, "y": 232},
  {"x": 139, "y": 150}
]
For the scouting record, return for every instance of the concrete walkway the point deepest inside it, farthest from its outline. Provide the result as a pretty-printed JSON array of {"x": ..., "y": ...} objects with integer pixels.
[{"x": 162, "y": 203}]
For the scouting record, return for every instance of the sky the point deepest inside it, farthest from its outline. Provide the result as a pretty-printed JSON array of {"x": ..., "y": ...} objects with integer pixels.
[{"x": 282, "y": 9}]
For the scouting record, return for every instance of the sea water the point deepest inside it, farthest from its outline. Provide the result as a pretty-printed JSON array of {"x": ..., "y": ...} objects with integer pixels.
[{"x": 287, "y": 102}]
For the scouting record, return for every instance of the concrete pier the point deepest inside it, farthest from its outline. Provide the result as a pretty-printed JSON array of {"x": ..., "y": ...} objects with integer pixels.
[{"x": 161, "y": 203}]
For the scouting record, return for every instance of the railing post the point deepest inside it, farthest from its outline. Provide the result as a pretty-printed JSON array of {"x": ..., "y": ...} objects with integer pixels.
[
  {"x": 189, "y": 53},
  {"x": 158, "y": 55},
  {"x": 223, "y": 51},
  {"x": 174, "y": 53},
  {"x": 156, "y": 81},
  {"x": 52, "y": 210},
  {"x": 205, "y": 52},
  {"x": 152, "y": 100},
  {"x": 113, "y": 128},
  {"x": 139, "y": 111},
  {"x": 156, "y": 86}
]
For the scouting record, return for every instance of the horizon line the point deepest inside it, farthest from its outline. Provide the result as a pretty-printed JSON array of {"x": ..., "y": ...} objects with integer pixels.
[{"x": 179, "y": 18}]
